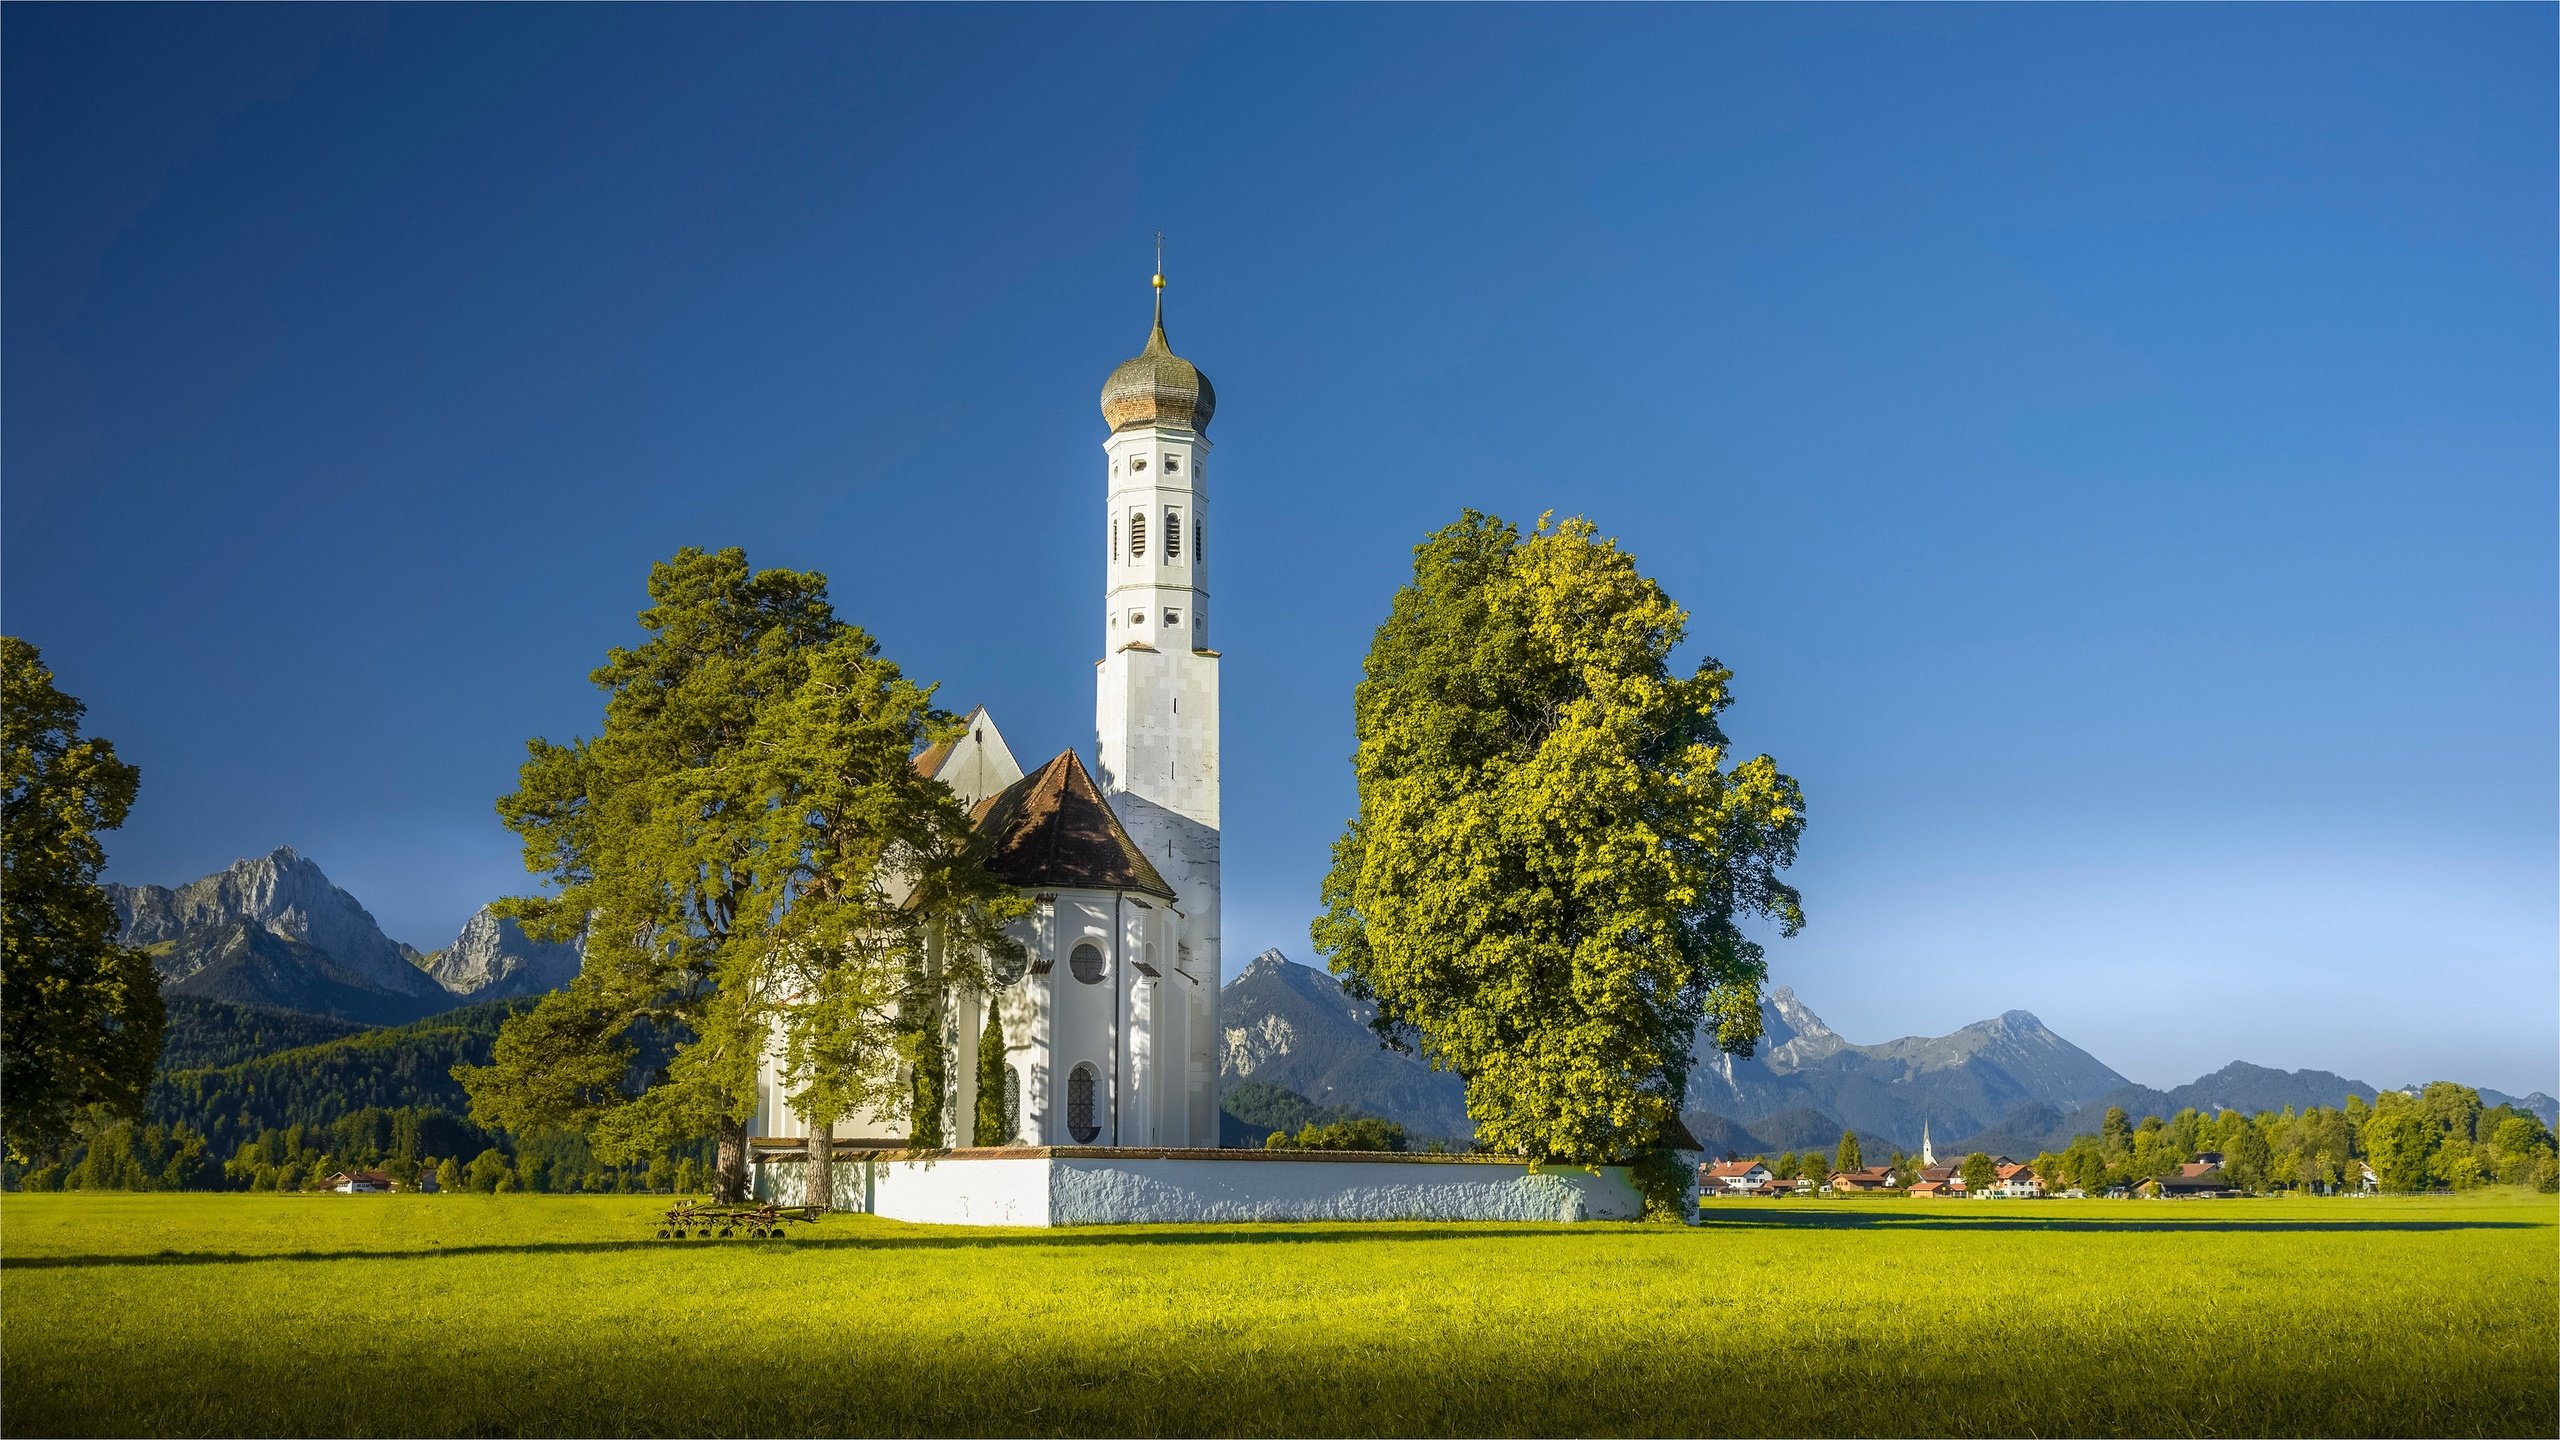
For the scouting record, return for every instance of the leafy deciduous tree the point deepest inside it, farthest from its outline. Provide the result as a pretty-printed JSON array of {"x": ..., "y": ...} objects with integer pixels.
[
  {"x": 1979, "y": 1173},
  {"x": 1544, "y": 883},
  {"x": 80, "y": 1015}
]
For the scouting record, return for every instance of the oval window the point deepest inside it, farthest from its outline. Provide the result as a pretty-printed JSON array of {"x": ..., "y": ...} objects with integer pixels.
[
  {"x": 1008, "y": 966},
  {"x": 1138, "y": 536},
  {"x": 1173, "y": 534},
  {"x": 1086, "y": 962},
  {"x": 1080, "y": 1121}
]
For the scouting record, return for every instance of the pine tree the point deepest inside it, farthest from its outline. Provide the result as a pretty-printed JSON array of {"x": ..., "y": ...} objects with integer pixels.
[
  {"x": 932, "y": 1084},
  {"x": 1848, "y": 1159},
  {"x": 991, "y": 1129},
  {"x": 748, "y": 854}
]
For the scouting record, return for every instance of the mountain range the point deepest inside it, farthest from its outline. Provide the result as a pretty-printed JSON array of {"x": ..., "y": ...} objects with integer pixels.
[
  {"x": 272, "y": 933},
  {"x": 2009, "y": 1084}
]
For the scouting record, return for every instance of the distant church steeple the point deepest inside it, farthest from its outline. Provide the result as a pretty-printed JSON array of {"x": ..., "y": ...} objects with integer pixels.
[{"x": 1927, "y": 1155}]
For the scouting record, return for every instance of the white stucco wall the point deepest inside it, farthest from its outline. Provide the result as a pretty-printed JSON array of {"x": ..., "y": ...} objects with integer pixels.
[
  {"x": 1103, "y": 1189},
  {"x": 1147, "y": 1191},
  {"x": 947, "y": 1191}
]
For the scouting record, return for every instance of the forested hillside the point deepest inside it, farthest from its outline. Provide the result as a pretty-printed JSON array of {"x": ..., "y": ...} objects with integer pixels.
[
  {"x": 405, "y": 1067},
  {"x": 281, "y": 1116},
  {"x": 209, "y": 1034}
]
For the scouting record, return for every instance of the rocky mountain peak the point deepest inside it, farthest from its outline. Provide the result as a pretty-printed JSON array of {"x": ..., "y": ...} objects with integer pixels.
[
  {"x": 1801, "y": 1021},
  {"x": 279, "y": 892},
  {"x": 494, "y": 960}
]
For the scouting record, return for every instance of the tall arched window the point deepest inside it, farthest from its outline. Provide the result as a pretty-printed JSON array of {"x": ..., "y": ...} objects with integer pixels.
[
  {"x": 1173, "y": 534},
  {"x": 1012, "y": 1103},
  {"x": 1115, "y": 542},
  {"x": 1085, "y": 962},
  {"x": 1137, "y": 534},
  {"x": 1080, "y": 1121},
  {"x": 1199, "y": 542}
]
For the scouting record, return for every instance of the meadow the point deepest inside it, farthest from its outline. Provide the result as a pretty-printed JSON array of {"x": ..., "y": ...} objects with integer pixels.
[{"x": 537, "y": 1315}]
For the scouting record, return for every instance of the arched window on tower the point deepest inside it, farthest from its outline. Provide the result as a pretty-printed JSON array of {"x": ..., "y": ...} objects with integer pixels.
[
  {"x": 1173, "y": 534},
  {"x": 1137, "y": 534},
  {"x": 1115, "y": 542},
  {"x": 1080, "y": 1121},
  {"x": 1199, "y": 542}
]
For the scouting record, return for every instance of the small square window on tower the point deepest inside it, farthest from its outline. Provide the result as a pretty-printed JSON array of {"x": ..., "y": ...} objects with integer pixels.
[
  {"x": 1173, "y": 464},
  {"x": 1173, "y": 617},
  {"x": 1137, "y": 618},
  {"x": 1137, "y": 462}
]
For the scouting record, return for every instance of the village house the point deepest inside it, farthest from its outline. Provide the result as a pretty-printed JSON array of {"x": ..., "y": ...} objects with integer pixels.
[
  {"x": 1869, "y": 1180},
  {"x": 2195, "y": 1180},
  {"x": 362, "y": 1182},
  {"x": 1733, "y": 1177},
  {"x": 2017, "y": 1182}
]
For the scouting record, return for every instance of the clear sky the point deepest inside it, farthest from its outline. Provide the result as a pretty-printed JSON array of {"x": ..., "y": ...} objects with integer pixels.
[{"x": 2113, "y": 446}]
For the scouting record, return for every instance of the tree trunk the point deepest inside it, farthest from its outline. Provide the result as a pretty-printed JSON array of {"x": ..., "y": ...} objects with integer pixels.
[
  {"x": 729, "y": 1169},
  {"x": 819, "y": 1189}
]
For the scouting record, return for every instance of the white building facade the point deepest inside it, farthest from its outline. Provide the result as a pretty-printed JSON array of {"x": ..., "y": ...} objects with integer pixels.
[{"x": 1110, "y": 1025}]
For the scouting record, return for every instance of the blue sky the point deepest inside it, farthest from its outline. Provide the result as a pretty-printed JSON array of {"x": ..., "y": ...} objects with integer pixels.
[{"x": 2113, "y": 446}]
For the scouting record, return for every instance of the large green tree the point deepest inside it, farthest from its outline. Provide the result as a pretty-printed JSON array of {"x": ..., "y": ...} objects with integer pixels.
[
  {"x": 876, "y": 905},
  {"x": 648, "y": 833},
  {"x": 80, "y": 1015},
  {"x": 2400, "y": 1140},
  {"x": 1545, "y": 883},
  {"x": 1979, "y": 1174}
]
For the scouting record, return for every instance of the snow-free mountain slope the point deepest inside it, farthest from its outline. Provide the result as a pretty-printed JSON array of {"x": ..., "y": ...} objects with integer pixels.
[
  {"x": 493, "y": 960},
  {"x": 1291, "y": 1026},
  {"x": 273, "y": 930}
]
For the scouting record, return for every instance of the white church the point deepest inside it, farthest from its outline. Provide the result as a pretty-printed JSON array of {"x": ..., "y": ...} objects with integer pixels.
[
  {"x": 1112, "y": 1039},
  {"x": 1111, "y": 1027}
]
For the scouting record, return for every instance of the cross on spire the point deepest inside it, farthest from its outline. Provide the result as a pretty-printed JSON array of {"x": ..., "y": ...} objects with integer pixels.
[{"x": 1159, "y": 280}]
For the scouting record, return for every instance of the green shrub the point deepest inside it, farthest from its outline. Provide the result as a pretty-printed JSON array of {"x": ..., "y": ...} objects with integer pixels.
[{"x": 1359, "y": 1132}]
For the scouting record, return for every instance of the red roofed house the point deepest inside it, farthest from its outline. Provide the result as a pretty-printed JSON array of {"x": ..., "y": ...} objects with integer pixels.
[
  {"x": 1874, "y": 1179},
  {"x": 1732, "y": 1177},
  {"x": 2017, "y": 1182}
]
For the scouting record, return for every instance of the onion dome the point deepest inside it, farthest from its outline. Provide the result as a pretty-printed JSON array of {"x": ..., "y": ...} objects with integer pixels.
[{"x": 1158, "y": 387}]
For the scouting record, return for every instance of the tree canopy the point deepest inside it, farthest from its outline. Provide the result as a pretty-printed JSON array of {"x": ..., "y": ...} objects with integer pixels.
[
  {"x": 744, "y": 839},
  {"x": 80, "y": 1015},
  {"x": 1545, "y": 882}
]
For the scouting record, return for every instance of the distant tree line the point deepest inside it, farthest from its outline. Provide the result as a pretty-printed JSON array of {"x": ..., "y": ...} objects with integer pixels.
[
  {"x": 376, "y": 1099},
  {"x": 2441, "y": 1138}
]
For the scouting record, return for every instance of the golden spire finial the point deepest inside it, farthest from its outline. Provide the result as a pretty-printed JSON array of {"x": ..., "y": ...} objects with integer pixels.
[{"x": 1159, "y": 279}]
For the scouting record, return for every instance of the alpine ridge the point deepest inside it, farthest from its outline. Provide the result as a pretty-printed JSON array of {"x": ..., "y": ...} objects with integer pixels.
[{"x": 274, "y": 931}]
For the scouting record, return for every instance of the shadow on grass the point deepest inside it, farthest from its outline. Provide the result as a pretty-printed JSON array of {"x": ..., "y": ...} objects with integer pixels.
[
  {"x": 1275, "y": 1234},
  {"x": 1279, "y": 1234}
]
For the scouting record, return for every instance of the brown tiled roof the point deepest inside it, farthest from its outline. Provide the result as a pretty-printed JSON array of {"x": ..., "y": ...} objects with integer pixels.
[
  {"x": 1675, "y": 1135},
  {"x": 1052, "y": 827}
]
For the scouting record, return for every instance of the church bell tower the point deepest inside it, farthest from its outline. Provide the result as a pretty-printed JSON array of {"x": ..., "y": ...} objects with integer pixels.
[{"x": 1156, "y": 706}]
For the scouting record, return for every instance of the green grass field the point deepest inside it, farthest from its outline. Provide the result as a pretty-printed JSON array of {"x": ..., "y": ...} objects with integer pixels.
[{"x": 536, "y": 1315}]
